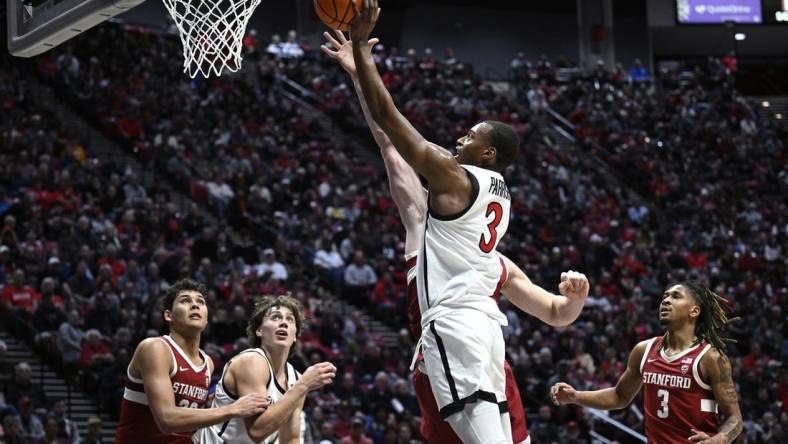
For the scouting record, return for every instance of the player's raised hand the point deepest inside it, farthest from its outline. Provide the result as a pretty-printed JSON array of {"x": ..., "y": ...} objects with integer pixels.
[
  {"x": 704, "y": 438},
  {"x": 250, "y": 405},
  {"x": 562, "y": 393},
  {"x": 341, "y": 50},
  {"x": 318, "y": 375},
  {"x": 364, "y": 21},
  {"x": 573, "y": 285}
]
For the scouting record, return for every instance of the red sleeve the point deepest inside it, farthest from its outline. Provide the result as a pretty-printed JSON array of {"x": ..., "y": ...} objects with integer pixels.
[
  {"x": 86, "y": 355},
  {"x": 35, "y": 295},
  {"x": 379, "y": 291},
  {"x": 5, "y": 296}
]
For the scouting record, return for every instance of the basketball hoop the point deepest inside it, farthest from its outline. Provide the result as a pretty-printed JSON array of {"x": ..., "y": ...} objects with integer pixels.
[{"x": 212, "y": 33}]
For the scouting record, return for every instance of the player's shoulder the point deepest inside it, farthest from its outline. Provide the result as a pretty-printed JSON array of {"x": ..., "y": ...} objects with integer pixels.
[
  {"x": 152, "y": 353},
  {"x": 640, "y": 348},
  {"x": 249, "y": 358},
  {"x": 152, "y": 346},
  {"x": 715, "y": 365},
  {"x": 714, "y": 355}
]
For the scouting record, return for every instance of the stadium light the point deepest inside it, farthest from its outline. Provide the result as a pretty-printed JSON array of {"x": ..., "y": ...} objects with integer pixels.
[
  {"x": 739, "y": 36},
  {"x": 778, "y": 116},
  {"x": 765, "y": 104}
]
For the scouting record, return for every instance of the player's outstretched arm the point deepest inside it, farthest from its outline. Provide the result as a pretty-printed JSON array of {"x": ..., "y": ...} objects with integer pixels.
[
  {"x": 612, "y": 398},
  {"x": 435, "y": 163},
  {"x": 275, "y": 417},
  {"x": 717, "y": 367},
  {"x": 153, "y": 360},
  {"x": 404, "y": 184},
  {"x": 551, "y": 309}
]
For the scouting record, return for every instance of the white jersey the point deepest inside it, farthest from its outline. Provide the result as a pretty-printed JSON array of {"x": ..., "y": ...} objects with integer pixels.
[
  {"x": 234, "y": 431},
  {"x": 458, "y": 266}
]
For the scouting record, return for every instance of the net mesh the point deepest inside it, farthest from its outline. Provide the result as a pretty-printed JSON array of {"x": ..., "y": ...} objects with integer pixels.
[{"x": 212, "y": 33}]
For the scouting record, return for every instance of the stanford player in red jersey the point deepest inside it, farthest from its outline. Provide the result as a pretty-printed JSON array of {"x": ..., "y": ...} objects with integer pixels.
[
  {"x": 168, "y": 378},
  {"x": 686, "y": 374},
  {"x": 408, "y": 194}
]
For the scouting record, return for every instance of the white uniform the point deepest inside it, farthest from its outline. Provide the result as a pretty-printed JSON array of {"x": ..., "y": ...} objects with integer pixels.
[
  {"x": 458, "y": 269},
  {"x": 234, "y": 431}
]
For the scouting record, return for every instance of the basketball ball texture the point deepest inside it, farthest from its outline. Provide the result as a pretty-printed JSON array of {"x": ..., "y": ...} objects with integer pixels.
[{"x": 337, "y": 14}]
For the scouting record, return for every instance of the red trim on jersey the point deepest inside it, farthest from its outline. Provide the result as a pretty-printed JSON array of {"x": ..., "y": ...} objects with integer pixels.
[
  {"x": 504, "y": 275},
  {"x": 414, "y": 312}
]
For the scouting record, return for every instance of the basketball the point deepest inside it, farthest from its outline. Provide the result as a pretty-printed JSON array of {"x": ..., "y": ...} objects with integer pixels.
[{"x": 337, "y": 14}]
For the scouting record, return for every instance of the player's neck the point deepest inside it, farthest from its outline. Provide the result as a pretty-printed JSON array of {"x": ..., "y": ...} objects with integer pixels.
[
  {"x": 680, "y": 339},
  {"x": 190, "y": 344},
  {"x": 278, "y": 361}
]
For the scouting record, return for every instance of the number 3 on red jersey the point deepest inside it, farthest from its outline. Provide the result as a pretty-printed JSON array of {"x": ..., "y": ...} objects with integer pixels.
[{"x": 497, "y": 209}]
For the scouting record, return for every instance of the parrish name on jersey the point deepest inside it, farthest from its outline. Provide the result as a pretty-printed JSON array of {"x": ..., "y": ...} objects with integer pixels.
[{"x": 498, "y": 188}]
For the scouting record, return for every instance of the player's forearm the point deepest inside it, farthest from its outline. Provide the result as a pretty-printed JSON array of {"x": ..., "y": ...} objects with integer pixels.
[
  {"x": 380, "y": 137},
  {"x": 732, "y": 427},
  {"x": 605, "y": 399},
  {"x": 404, "y": 184},
  {"x": 565, "y": 310},
  {"x": 182, "y": 419},
  {"x": 552, "y": 309},
  {"x": 272, "y": 419},
  {"x": 380, "y": 105},
  {"x": 405, "y": 139}
]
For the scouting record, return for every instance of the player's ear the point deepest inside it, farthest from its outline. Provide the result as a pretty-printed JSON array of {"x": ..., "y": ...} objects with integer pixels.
[
  {"x": 695, "y": 311},
  {"x": 167, "y": 316},
  {"x": 489, "y": 155}
]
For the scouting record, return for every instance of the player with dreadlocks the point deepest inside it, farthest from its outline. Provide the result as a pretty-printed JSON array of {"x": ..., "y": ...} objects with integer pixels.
[{"x": 686, "y": 373}]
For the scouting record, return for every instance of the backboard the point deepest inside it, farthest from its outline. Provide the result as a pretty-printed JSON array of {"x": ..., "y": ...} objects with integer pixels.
[{"x": 35, "y": 26}]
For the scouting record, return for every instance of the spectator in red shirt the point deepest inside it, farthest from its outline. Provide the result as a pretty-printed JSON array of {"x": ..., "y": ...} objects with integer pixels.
[
  {"x": 95, "y": 352},
  {"x": 342, "y": 424},
  {"x": 782, "y": 391},
  {"x": 696, "y": 259},
  {"x": 386, "y": 291},
  {"x": 20, "y": 296},
  {"x": 111, "y": 258},
  {"x": 357, "y": 435},
  {"x": 751, "y": 361},
  {"x": 608, "y": 288}
]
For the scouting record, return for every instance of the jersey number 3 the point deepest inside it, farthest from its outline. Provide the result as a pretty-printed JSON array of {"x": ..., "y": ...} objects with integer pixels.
[
  {"x": 663, "y": 411},
  {"x": 497, "y": 209}
]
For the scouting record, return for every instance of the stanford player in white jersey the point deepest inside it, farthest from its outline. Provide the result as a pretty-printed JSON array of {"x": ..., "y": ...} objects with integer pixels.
[
  {"x": 168, "y": 378},
  {"x": 686, "y": 374}
]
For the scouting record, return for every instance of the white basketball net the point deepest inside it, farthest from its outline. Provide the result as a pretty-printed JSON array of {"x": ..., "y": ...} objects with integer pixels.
[{"x": 212, "y": 33}]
